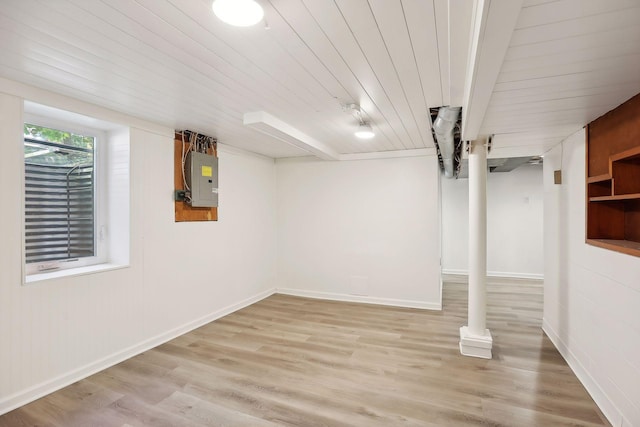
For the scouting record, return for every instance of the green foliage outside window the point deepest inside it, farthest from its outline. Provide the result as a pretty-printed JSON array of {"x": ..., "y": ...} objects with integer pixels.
[{"x": 68, "y": 150}]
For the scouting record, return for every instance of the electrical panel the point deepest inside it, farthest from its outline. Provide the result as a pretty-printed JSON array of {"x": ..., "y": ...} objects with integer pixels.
[{"x": 201, "y": 173}]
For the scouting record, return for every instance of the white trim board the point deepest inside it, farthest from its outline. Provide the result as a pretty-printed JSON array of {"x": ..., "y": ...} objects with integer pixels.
[
  {"x": 391, "y": 154},
  {"x": 425, "y": 305},
  {"x": 596, "y": 392},
  {"x": 374, "y": 155},
  {"x": 535, "y": 276},
  {"x": 21, "y": 398}
]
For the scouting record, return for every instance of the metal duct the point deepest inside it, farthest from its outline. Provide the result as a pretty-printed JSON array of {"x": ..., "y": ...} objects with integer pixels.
[{"x": 443, "y": 128}]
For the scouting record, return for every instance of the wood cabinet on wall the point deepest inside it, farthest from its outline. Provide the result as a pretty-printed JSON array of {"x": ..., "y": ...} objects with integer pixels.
[{"x": 613, "y": 179}]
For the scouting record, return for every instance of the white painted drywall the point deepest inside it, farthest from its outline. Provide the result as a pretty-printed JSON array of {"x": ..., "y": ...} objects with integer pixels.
[
  {"x": 365, "y": 230},
  {"x": 591, "y": 295},
  {"x": 514, "y": 223},
  {"x": 180, "y": 275}
]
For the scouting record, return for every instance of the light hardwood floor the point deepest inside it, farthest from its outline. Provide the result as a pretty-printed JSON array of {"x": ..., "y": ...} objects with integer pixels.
[{"x": 304, "y": 362}]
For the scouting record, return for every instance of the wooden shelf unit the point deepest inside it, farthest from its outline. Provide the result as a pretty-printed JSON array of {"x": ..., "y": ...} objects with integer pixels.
[
  {"x": 615, "y": 197},
  {"x": 613, "y": 179}
]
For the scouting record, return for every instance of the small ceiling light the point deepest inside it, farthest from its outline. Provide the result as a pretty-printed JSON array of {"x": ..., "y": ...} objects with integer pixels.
[
  {"x": 365, "y": 131},
  {"x": 241, "y": 13}
]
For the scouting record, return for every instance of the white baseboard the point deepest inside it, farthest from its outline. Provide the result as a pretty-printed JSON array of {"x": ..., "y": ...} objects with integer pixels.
[
  {"x": 507, "y": 274},
  {"x": 441, "y": 287},
  {"x": 426, "y": 305},
  {"x": 603, "y": 401},
  {"x": 23, "y": 397}
]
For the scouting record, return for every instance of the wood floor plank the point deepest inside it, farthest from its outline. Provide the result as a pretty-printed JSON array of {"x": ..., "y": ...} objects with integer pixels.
[{"x": 303, "y": 362}]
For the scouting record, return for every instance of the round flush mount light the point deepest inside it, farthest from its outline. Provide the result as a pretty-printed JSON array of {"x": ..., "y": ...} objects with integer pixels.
[
  {"x": 365, "y": 131},
  {"x": 240, "y": 13}
]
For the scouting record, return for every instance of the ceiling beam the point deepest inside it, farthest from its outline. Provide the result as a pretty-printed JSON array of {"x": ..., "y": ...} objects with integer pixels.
[
  {"x": 493, "y": 24},
  {"x": 276, "y": 128}
]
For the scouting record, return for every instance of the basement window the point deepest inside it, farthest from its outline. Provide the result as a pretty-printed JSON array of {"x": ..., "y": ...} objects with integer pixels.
[
  {"x": 67, "y": 221},
  {"x": 61, "y": 199}
]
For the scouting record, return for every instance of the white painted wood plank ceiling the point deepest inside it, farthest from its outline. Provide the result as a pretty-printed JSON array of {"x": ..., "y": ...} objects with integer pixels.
[
  {"x": 568, "y": 62},
  {"x": 174, "y": 63}
]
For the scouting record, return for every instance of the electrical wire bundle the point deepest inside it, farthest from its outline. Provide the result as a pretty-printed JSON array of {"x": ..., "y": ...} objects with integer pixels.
[{"x": 198, "y": 143}]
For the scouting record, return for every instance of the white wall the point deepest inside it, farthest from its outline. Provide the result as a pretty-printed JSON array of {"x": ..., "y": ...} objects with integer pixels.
[
  {"x": 181, "y": 274},
  {"x": 365, "y": 230},
  {"x": 591, "y": 295},
  {"x": 514, "y": 223}
]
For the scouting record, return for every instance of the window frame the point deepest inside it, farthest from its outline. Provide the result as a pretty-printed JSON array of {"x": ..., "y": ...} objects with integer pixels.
[{"x": 36, "y": 269}]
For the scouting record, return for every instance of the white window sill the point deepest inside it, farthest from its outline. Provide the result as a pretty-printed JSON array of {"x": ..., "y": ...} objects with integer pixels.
[{"x": 79, "y": 271}]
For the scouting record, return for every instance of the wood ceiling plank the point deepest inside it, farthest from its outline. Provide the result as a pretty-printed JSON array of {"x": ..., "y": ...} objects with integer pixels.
[
  {"x": 393, "y": 28},
  {"x": 287, "y": 36},
  {"x": 312, "y": 34},
  {"x": 441, "y": 11},
  {"x": 92, "y": 92},
  {"x": 154, "y": 58},
  {"x": 460, "y": 15},
  {"x": 117, "y": 55},
  {"x": 389, "y": 68},
  {"x": 516, "y": 97},
  {"x": 75, "y": 73},
  {"x": 586, "y": 25},
  {"x": 565, "y": 67},
  {"x": 371, "y": 95},
  {"x": 518, "y": 123},
  {"x": 131, "y": 21},
  {"x": 566, "y": 104},
  {"x": 529, "y": 3},
  {"x": 548, "y": 133},
  {"x": 596, "y": 42},
  {"x": 575, "y": 89},
  {"x": 98, "y": 76},
  {"x": 289, "y": 39},
  {"x": 172, "y": 62},
  {"x": 258, "y": 50},
  {"x": 241, "y": 74},
  {"x": 548, "y": 116},
  {"x": 569, "y": 81},
  {"x": 627, "y": 62},
  {"x": 571, "y": 57},
  {"x": 421, "y": 23},
  {"x": 565, "y": 10}
]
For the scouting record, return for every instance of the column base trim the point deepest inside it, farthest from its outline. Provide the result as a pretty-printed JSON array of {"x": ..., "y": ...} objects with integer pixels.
[{"x": 475, "y": 345}]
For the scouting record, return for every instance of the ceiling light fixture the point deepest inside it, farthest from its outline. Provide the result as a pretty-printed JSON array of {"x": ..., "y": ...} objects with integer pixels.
[
  {"x": 365, "y": 131},
  {"x": 240, "y": 13}
]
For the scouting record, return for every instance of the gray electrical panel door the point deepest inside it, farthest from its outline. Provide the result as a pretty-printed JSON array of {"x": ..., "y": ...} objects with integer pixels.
[{"x": 201, "y": 172}]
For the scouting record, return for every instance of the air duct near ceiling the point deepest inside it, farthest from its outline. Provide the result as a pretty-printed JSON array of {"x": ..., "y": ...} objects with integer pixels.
[{"x": 443, "y": 127}]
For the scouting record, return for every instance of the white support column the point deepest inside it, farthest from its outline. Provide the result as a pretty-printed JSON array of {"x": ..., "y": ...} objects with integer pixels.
[{"x": 475, "y": 339}]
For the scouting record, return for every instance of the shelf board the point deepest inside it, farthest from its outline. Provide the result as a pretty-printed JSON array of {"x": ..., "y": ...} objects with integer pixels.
[
  {"x": 599, "y": 178},
  {"x": 626, "y": 154},
  {"x": 616, "y": 197},
  {"x": 628, "y": 247}
]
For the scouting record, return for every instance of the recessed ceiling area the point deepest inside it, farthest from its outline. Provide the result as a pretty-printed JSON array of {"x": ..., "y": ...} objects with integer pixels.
[
  {"x": 529, "y": 72},
  {"x": 501, "y": 165}
]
